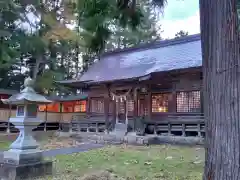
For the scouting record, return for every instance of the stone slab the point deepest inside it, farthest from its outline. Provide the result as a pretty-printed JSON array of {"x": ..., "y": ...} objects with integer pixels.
[
  {"x": 27, "y": 171},
  {"x": 180, "y": 140},
  {"x": 120, "y": 129}
]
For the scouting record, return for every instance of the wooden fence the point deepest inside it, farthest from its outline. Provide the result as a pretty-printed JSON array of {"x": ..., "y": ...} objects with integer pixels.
[{"x": 181, "y": 125}]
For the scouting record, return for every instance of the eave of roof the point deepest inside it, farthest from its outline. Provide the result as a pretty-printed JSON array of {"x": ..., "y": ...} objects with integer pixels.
[{"x": 68, "y": 98}]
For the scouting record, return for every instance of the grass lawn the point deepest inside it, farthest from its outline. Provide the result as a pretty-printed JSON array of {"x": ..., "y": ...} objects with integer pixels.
[
  {"x": 163, "y": 162},
  {"x": 4, "y": 144}
]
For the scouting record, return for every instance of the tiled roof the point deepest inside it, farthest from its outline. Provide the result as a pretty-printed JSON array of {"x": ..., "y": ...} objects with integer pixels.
[{"x": 143, "y": 60}]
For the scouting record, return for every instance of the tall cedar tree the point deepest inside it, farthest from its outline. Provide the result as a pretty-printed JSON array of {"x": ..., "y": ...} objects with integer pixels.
[{"x": 221, "y": 73}]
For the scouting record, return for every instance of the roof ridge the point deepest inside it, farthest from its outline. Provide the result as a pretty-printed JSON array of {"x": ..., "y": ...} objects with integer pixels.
[{"x": 156, "y": 44}]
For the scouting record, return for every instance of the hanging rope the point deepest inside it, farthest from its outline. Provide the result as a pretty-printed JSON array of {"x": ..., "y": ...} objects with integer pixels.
[
  {"x": 126, "y": 119},
  {"x": 121, "y": 98}
]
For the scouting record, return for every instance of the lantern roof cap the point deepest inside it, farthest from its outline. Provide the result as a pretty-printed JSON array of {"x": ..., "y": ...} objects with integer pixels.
[{"x": 27, "y": 95}]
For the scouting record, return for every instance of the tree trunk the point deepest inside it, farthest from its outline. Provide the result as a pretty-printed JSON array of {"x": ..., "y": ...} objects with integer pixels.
[
  {"x": 36, "y": 69},
  {"x": 220, "y": 47},
  {"x": 77, "y": 61}
]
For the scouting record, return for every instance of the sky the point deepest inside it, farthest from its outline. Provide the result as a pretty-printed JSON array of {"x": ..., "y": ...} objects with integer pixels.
[{"x": 180, "y": 15}]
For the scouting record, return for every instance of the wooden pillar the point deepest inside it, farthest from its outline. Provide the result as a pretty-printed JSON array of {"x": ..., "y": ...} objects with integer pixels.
[
  {"x": 117, "y": 109},
  {"x": 45, "y": 124},
  {"x": 88, "y": 105},
  {"x": 201, "y": 101},
  {"x": 70, "y": 127},
  {"x": 114, "y": 112},
  {"x": 135, "y": 111},
  {"x": 96, "y": 128},
  {"x": 169, "y": 129},
  {"x": 60, "y": 118},
  {"x": 173, "y": 103},
  {"x": 183, "y": 130},
  {"x": 126, "y": 112},
  {"x": 149, "y": 102},
  {"x": 135, "y": 99},
  {"x": 199, "y": 129},
  {"x": 106, "y": 113}
]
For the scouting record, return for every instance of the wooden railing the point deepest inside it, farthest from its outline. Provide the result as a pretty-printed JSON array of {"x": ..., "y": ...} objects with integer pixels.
[
  {"x": 49, "y": 117},
  {"x": 191, "y": 125},
  {"x": 183, "y": 125},
  {"x": 86, "y": 126},
  {"x": 82, "y": 123}
]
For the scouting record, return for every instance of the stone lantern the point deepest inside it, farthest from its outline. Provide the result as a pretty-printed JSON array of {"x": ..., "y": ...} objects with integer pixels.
[{"x": 24, "y": 159}]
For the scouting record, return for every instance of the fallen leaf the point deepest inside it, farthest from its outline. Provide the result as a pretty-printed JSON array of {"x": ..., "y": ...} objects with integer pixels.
[
  {"x": 147, "y": 163},
  {"x": 169, "y": 157}
]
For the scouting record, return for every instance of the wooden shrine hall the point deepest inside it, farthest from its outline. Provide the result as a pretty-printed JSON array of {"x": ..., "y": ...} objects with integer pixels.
[{"x": 152, "y": 88}]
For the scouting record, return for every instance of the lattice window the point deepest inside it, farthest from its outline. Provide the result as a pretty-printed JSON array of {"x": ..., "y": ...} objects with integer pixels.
[
  {"x": 67, "y": 107},
  {"x": 80, "y": 106},
  {"x": 130, "y": 106},
  {"x": 189, "y": 101},
  {"x": 97, "y": 105},
  {"x": 160, "y": 102}
]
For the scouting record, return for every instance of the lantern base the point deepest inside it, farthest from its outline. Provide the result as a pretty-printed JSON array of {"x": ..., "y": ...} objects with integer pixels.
[
  {"x": 25, "y": 171},
  {"x": 18, "y": 157},
  {"x": 24, "y": 164}
]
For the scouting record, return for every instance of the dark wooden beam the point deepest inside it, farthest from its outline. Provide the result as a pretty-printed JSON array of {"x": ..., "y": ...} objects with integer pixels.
[
  {"x": 135, "y": 99},
  {"x": 106, "y": 106},
  {"x": 149, "y": 102}
]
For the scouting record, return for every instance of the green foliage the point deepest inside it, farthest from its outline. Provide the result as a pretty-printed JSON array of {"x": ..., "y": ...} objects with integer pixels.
[
  {"x": 147, "y": 31},
  {"x": 45, "y": 82},
  {"x": 103, "y": 20},
  {"x": 181, "y": 34},
  {"x": 97, "y": 16},
  {"x": 159, "y": 3},
  {"x": 9, "y": 13}
]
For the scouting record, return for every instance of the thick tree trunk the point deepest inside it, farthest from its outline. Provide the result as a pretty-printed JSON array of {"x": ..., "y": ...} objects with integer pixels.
[{"x": 221, "y": 71}]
